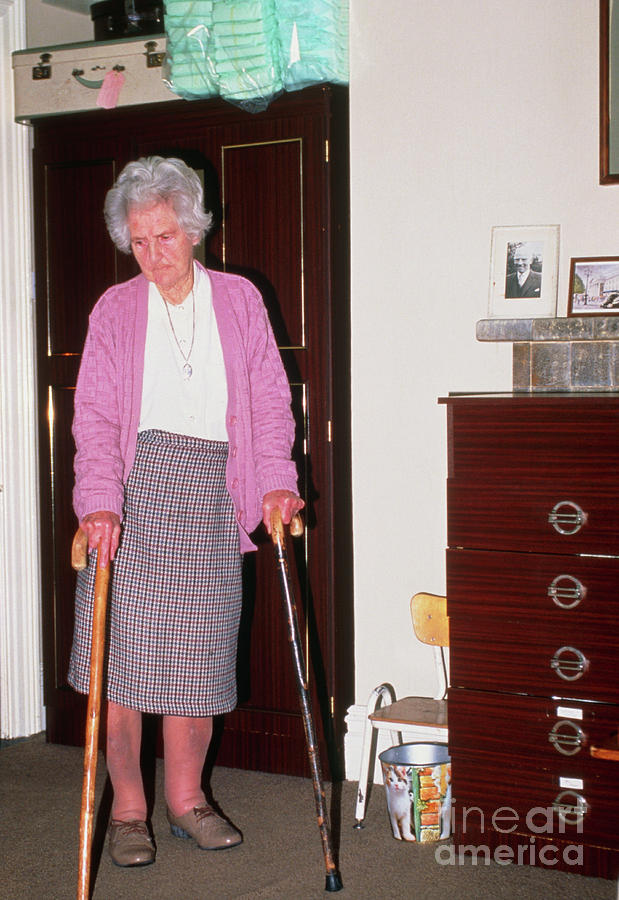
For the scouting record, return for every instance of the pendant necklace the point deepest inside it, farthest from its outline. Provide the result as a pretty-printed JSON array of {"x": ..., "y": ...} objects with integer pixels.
[{"x": 187, "y": 368}]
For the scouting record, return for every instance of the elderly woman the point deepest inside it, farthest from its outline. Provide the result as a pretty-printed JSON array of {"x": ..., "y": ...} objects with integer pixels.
[{"x": 183, "y": 433}]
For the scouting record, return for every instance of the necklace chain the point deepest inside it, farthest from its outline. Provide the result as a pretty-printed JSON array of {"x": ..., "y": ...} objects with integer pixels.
[{"x": 187, "y": 369}]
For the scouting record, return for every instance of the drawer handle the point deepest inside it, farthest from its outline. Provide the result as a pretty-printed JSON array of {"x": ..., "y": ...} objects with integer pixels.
[
  {"x": 567, "y": 737},
  {"x": 571, "y": 807},
  {"x": 567, "y": 517},
  {"x": 566, "y": 591},
  {"x": 569, "y": 663}
]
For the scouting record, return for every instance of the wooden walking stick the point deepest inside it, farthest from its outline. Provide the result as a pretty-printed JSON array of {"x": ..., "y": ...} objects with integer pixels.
[
  {"x": 333, "y": 880},
  {"x": 79, "y": 554}
]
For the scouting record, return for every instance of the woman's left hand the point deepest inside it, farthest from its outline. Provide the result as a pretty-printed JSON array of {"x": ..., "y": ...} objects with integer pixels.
[{"x": 287, "y": 502}]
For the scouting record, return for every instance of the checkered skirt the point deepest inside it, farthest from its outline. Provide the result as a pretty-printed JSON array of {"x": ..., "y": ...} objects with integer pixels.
[{"x": 175, "y": 589}]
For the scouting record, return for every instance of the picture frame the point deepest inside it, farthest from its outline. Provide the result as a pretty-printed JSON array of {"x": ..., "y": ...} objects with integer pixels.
[
  {"x": 524, "y": 265},
  {"x": 609, "y": 93},
  {"x": 594, "y": 286}
]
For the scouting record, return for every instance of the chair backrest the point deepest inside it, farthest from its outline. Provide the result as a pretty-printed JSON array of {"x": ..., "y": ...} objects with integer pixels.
[
  {"x": 430, "y": 620},
  {"x": 431, "y": 626}
]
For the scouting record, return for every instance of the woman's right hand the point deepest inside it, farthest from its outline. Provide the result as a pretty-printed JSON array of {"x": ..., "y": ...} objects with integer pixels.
[{"x": 103, "y": 531}]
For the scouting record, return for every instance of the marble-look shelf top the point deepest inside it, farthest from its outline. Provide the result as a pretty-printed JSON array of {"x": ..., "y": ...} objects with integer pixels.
[{"x": 589, "y": 328}]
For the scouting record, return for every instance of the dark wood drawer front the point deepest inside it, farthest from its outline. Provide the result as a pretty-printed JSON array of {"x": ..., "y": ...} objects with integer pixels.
[
  {"x": 554, "y": 734},
  {"x": 521, "y": 516},
  {"x": 526, "y": 438},
  {"x": 519, "y": 661},
  {"x": 508, "y": 634},
  {"x": 497, "y": 785},
  {"x": 565, "y": 591}
]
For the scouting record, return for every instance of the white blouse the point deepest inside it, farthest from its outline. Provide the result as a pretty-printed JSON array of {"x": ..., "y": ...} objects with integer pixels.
[{"x": 171, "y": 402}]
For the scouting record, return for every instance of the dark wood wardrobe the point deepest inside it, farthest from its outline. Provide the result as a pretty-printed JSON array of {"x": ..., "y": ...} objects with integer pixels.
[{"x": 278, "y": 183}]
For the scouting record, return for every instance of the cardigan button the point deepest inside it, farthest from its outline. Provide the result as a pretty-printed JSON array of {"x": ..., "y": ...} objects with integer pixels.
[{"x": 232, "y": 420}]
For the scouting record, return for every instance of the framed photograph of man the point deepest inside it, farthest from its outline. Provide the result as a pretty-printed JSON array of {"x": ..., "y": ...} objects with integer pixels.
[
  {"x": 524, "y": 263},
  {"x": 594, "y": 286}
]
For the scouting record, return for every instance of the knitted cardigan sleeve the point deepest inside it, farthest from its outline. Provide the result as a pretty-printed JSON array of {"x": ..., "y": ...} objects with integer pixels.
[
  {"x": 272, "y": 422},
  {"x": 259, "y": 421},
  {"x": 98, "y": 460}
]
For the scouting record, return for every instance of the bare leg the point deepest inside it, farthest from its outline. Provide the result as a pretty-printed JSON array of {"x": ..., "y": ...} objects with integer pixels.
[
  {"x": 124, "y": 741},
  {"x": 186, "y": 741}
]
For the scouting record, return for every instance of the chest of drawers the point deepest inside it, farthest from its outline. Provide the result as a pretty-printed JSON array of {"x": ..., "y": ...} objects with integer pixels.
[{"x": 533, "y": 600}]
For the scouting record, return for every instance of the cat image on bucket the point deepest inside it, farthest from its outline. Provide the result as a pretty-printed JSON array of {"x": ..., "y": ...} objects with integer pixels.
[
  {"x": 399, "y": 802},
  {"x": 417, "y": 780}
]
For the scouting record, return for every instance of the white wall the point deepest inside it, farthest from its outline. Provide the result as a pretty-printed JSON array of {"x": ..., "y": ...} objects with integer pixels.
[
  {"x": 48, "y": 25},
  {"x": 464, "y": 115}
]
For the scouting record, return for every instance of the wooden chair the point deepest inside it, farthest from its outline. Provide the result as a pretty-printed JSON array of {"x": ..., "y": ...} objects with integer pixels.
[{"x": 425, "y": 716}]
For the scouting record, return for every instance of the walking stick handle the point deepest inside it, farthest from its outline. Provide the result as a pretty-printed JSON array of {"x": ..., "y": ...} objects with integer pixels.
[
  {"x": 277, "y": 526},
  {"x": 79, "y": 551},
  {"x": 296, "y": 526}
]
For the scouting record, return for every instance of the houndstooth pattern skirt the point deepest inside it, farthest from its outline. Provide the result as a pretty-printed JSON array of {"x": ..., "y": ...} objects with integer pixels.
[{"x": 175, "y": 588}]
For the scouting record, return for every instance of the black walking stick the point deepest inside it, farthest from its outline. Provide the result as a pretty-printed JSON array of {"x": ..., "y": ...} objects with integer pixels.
[{"x": 333, "y": 880}]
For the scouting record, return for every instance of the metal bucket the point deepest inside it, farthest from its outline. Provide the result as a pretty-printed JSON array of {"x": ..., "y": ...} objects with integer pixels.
[{"x": 417, "y": 780}]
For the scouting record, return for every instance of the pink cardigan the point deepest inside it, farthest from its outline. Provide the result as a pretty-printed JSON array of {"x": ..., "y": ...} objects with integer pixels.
[{"x": 108, "y": 400}]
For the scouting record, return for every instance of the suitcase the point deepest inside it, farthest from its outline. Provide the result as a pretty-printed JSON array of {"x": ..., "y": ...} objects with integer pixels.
[{"x": 68, "y": 78}]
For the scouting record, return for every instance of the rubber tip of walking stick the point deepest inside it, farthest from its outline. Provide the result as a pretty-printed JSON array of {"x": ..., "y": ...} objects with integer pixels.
[{"x": 333, "y": 883}]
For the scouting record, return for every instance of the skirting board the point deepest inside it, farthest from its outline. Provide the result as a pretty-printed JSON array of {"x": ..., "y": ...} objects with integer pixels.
[{"x": 356, "y": 719}]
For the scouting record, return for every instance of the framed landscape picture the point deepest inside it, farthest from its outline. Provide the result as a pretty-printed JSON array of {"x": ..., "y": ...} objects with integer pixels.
[{"x": 594, "y": 286}]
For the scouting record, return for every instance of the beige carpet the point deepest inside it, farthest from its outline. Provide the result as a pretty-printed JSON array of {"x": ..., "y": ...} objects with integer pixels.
[{"x": 281, "y": 857}]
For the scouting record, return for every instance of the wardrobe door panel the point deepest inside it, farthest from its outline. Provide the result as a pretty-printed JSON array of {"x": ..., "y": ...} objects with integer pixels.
[
  {"x": 81, "y": 262},
  {"x": 263, "y": 227}
]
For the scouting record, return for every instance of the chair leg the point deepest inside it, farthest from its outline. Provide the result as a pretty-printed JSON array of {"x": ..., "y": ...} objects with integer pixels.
[
  {"x": 381, "y": 693},
  {"x": 364, "y": 774}
]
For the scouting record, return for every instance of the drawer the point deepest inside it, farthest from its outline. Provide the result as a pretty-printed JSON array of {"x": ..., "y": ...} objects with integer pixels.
[
  {"x": 521, "y": 796},
  {"x": 518, "y": 438},
  {"x": 533, "y": 623},
  {"x": 556, "y": 735},
  {"x": 567, "y": 516}
]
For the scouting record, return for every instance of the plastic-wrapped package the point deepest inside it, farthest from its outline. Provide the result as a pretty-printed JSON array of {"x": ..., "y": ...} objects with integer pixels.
[
  {"x": 231, "y": 49},
  {"x": 246, "y": 52},
  {"x": 314, "y": 42},
  {"x": 187, "y": 63},
  {"x": 249, "y": 51},
  {"x": 187, "y": 66}
]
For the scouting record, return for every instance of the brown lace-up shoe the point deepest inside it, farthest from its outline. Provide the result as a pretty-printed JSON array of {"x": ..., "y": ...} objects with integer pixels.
[
  {"x": 208, "y": 829},
  {"x": 130, "y": 843}
]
